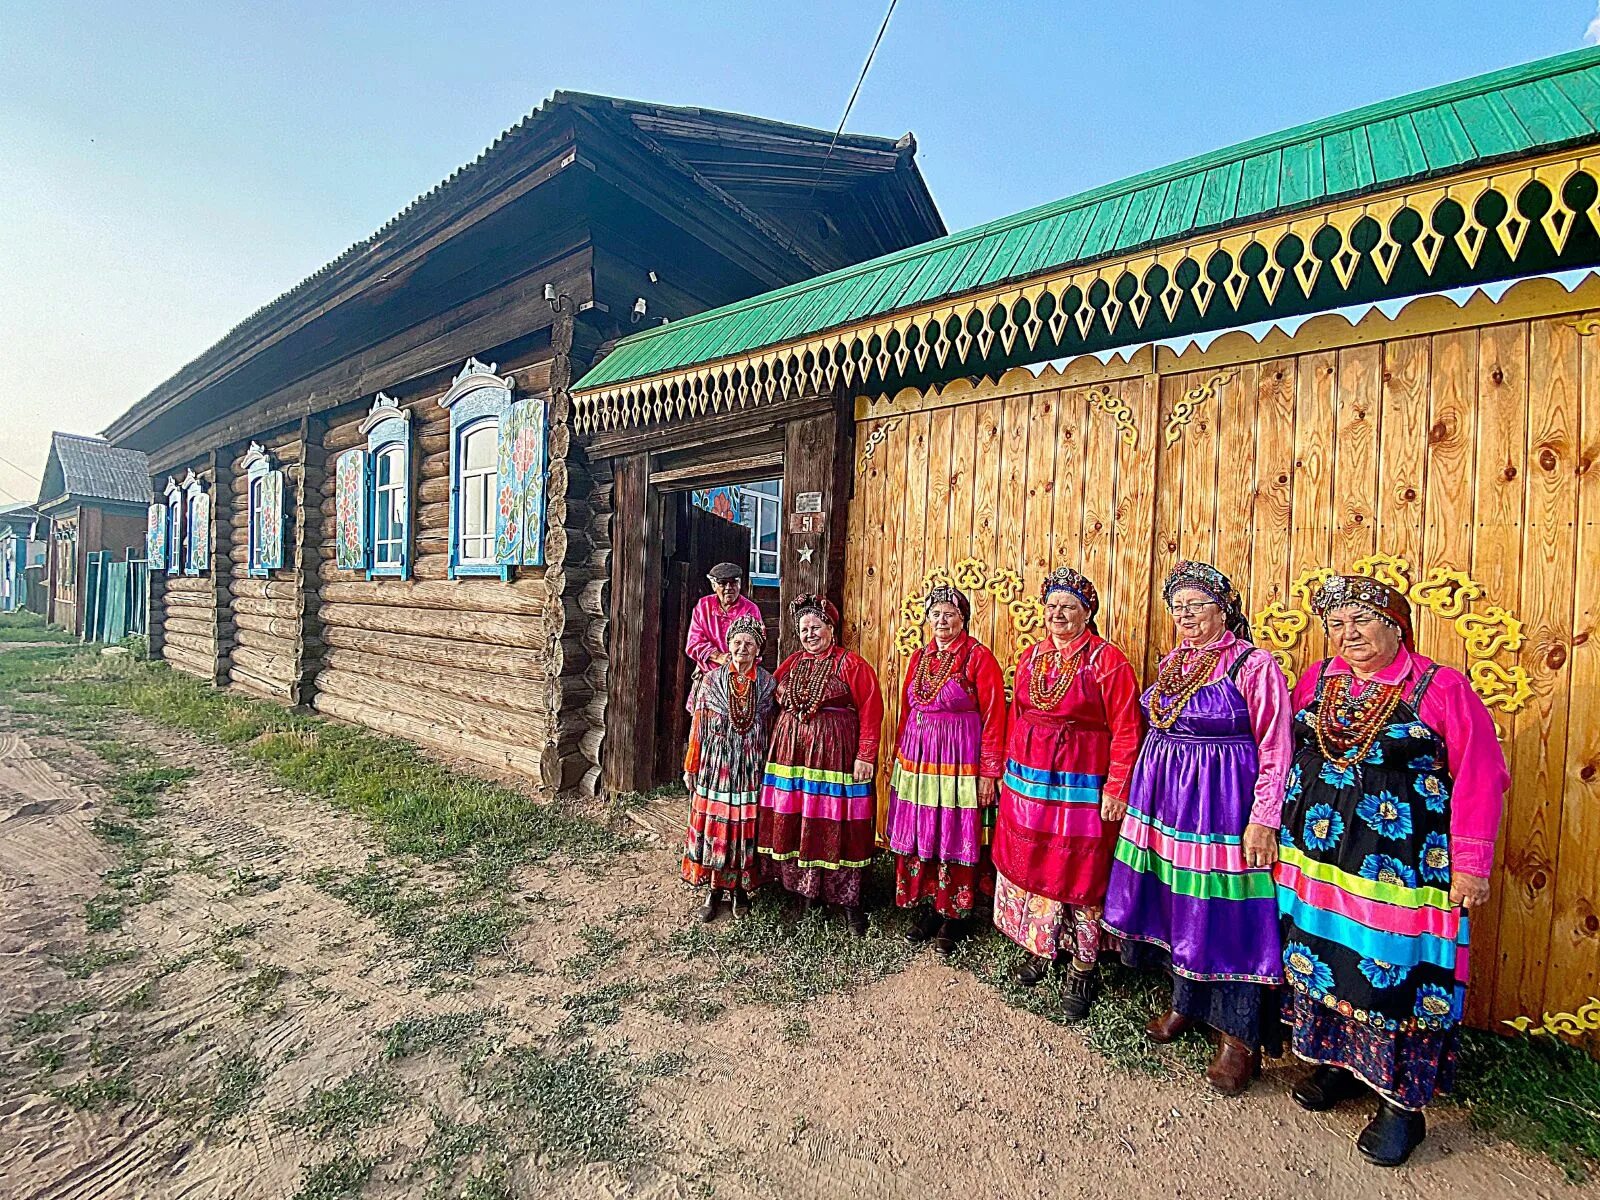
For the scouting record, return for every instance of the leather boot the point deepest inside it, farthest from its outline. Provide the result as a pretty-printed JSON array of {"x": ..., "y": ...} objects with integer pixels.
[
  {"x": 1325, "y": 1087},
  {"x": 923, "y": 926},
  {"x": 1169, "y": 1026},
  {"x": 1078, "y": 991},
  {"x": 1234, "y": 1065},
  {"x": 855, "y": 920},
  {"x": 1391, "y": 1135},
  {"x": 712, "y": 908},
  {"x": 944, "y": 942},
  {"x": 1033, "y": 970}
]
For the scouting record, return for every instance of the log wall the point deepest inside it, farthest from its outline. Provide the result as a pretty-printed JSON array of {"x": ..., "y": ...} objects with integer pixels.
[
  {"x": 1470, "y": 449},
  {"x": 185, "y": 619}
]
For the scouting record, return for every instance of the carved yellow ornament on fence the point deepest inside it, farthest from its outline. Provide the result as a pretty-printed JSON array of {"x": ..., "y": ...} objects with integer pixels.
[
  {"x": 1574, "y": 1024},
  {"x": 1446, "y": 593}
]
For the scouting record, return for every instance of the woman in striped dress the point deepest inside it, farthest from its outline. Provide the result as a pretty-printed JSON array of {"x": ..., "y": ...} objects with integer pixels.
[
  {"x": 817, "y": 821},
  {"x": 948, "y": 756},
  {"x": 1074, "y": 737},
  {"x": 1191, "y": 888},
  {"x": 722, "y": 770},
  {"x": 1388, "y": 838}
]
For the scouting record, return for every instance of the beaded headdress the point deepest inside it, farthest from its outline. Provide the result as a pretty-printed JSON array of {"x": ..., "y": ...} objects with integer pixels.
[
  {"x": 1065, "y": 579},
  {"x": 944, "y": 593},
  {"x": 1192, "y": 574},
  {"x": 750, "y": 625},
  {"x": 1382, "y": 601},
  {"x": 808, "y": 602}
]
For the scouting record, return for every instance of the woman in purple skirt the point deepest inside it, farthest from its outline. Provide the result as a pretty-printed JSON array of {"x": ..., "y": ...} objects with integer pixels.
[{"x": 1191, "y": 887}]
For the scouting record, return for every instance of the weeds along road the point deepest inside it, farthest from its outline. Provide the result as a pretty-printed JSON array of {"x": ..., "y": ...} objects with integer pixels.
[{"x": 392, "y": 980}]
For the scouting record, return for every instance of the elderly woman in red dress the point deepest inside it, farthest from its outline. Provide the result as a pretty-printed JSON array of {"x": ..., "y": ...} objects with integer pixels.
[
  {"x": 1074, "y": 737},
  {"x": 817, "y": 821},
  {"x": 949, "y": 753}
]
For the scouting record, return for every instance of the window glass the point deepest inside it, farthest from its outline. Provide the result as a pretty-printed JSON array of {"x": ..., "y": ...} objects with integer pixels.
[
  {"x": 255, "y": 522},
  {"x": 389, "y": 518},
  {"x": 479, "y": 452}
]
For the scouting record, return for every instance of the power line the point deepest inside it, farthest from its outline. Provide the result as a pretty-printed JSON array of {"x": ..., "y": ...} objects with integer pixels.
[
  {"x": 862, "y": 78},
  {"x": 14, "y": 467}
]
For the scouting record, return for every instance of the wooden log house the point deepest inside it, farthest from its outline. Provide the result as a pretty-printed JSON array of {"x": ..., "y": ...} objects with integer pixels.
[
  {"x": 92, "y": 500},
  {"x": 328, "y": 476},
  {"x": 1368, "y": 343}
]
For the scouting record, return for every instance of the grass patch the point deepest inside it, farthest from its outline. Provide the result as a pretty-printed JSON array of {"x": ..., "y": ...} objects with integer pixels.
[
  {"x": 258, "y": 993},
  {"x": 445, "y": 1032},
  {"x": 685, "y": 998},
  {"x": 96, "y": 958},
  {"x": 576, "y": 1105},
  {"x": 1540, "y": 1093},
  {"x": 596, "y": 1007},
  {"x": 795, "y": 1031},
  {"x": 769, "y": 957},
  {"x": 51, "y": 1019},
  {"x": 96, "y": 1092},
  {"x": 601, "y": 945},
  {"x": 450, "y": 1147},
  {"x": 240, "y": 1077},
  {"x": 356, "y": 1102},
  {"x": 339, "y": 1178},
  {"x": 30, "y": 627}
]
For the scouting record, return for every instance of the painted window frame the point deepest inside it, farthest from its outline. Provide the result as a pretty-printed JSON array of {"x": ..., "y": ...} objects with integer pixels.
[
  {"x": 388, "y": 430},
  {"x": 177, "y": 548},
  {"x": 766, "y": 511},
  {"x": 478, "y": 399},
  {"x": 197, "y": 528},
  {"x": 258, "y": 466}
]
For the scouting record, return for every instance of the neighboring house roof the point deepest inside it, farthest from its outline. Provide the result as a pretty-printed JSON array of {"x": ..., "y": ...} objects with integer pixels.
[
  {"x": 17, "y": 516},
  {"x": 1512, "y": 113},
  {"x": 761, "y": 173},
  {"x": 89, "y": 468}
]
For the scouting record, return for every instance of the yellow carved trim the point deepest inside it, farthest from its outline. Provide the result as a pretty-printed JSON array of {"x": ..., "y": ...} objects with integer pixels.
[
  {"x": 1184, "y": 410},
  {"x": 876, "y": 439},
  {"x": 1574, "y": 1024},
  {"x": 1586, "y": 327},
  {"x": 961, "y": 332},
  {"x": 972, "y": 574},
  {"x": 1446, "y": 593},
  {"x": 1117, "y": 409}
]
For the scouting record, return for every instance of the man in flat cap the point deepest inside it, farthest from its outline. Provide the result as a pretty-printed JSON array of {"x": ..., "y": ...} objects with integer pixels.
[{"x": 713, "y": 616}]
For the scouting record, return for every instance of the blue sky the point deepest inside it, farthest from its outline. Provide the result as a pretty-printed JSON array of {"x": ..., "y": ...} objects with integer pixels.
[{"x": 165, "y": 168}]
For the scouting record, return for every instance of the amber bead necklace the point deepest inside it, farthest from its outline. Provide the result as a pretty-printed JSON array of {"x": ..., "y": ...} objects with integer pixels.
[
  {"x": 1177, "y": 684},
  {"x": 1348, "y": 725},
  {"x": 935, "y": 667},
  {"x": 808, "y": 684},
  {"x": 742, "y": 699},
  {"x": 1043, "y": 694}
]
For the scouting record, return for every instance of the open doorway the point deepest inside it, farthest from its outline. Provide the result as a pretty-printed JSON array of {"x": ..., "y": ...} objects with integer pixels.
[{"x": 701, "y": 527}]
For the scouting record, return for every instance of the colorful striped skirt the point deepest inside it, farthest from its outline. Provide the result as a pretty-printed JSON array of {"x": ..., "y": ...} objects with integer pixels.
[{"x": 719, "y": 847}]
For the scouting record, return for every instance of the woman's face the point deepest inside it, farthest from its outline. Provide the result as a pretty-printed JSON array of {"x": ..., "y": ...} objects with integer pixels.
[
  {"x": 1064, "y": 615},
  {"x": 1196, "y": 616},
  {"x": 946, "y": 621},
  {"x": 745, "y": 650},
  {"x": 1362, "y": 638},
  {"x": 816, "y": 635}
]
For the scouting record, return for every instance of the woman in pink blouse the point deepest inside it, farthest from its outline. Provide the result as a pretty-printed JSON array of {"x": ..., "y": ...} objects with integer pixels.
[{"x": 1389, "y": 825}]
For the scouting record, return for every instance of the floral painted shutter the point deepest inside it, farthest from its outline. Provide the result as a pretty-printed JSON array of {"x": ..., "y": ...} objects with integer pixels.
[
  {"x": 155, "y": 537},
  {"x": 199, "y": 533},
  {"x": 271, "y": 527},
  {"x": 519, "y": 524},
  {"x": 350, "y": 500}
]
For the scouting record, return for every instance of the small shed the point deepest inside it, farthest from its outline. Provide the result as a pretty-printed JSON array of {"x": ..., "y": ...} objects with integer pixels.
[
  {"x": 93, "y": 496},
  {"x": 21, "y": 558}
]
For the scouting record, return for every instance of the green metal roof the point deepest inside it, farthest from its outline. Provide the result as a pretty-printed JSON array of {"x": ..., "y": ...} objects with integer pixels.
[{"x": 1510, "y": 113}]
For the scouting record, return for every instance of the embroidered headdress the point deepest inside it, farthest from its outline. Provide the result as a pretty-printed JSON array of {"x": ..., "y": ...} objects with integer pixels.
[
  {"x": 808, "y": 602},
  {"x": 944, "y": 593},
  {"x": 725, "y": 572},
  {"x": 750, "y": 625},
  {"x": 1382, "y": 601},
  {"x": 1065, "y": 579},
  {"x": 1191, "y": 574}
]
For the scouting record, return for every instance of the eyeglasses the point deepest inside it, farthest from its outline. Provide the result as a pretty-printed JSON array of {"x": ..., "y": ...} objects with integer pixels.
[{"x": 1193, "y": 608}]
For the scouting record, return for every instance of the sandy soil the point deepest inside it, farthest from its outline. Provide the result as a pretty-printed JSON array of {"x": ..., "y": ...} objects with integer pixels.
[{"x": 923, "y": 1084}]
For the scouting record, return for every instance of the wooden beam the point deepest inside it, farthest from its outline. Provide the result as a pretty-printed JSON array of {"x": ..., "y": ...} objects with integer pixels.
[
  {"x": 712, "y": 428},
  {"x": 729, "y": 470},
  {"x": 817, "y": 459},
  {"x": 629, "y": 748}
]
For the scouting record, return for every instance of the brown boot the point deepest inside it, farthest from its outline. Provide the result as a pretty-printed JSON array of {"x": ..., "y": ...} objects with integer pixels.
[
  {"x": 1167, "y": 1027},
  {"x": 1234, "y": 1065}
]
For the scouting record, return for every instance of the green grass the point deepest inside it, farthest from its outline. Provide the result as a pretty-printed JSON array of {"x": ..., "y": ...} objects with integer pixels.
[
  {"x": 577, "y": 1105},
  {"x": 1540, "y": 1093},
  {"x": 596, "y": 1007},
  {"x": 96, "y": 1092},
  {"x": 240, "y": 1078},
  {"x": 339, "y": 1178},
  {"x": 30, "y": 627},
  {"x": 94, "y": 959},
  {"x": 448, "y": 1033},
  {"x": 357, "y": 1102}
]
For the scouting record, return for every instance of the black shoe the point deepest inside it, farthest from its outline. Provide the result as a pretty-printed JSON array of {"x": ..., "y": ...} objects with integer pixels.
[
  {"x": 712, "y": 908},
  {"x": 816, "y": 902},
  {"x": 1078, "y": 990},
  {"x": 944, "y": 942},
  {"x": 1033, "y": 970},
  {"x": 1391, "y": 1135},
  {"x": 1325, "y": 1087},
  {"x": 923, "y": 926},
  {"x": 855, "y": 920},
  {"x": 741, "y": 901}
]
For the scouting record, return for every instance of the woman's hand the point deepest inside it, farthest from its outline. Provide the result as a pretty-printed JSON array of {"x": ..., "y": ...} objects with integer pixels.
[
  {"x": 1260, "y": 845},
  {"x": 688, "y": 780},
  {"x": 1112, "y": 809},
  {"x": 1468, "y": 891},
  {"x": 986, "y": 792},
  {"x": 863, "y": 772}
]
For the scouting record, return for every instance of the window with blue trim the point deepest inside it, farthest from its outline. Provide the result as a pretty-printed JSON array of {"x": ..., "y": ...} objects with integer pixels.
[
  {"x": 174, "y": 496},
  {"x": 264, "y": 536},
  {"x": 197, "y": 520},
  {"x": 498, "y": 467},
  {"x": 372, "y": 495}
]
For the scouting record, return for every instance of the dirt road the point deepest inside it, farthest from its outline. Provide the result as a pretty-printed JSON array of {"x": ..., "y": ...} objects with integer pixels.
[{"x": 267, "y": 1005}]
